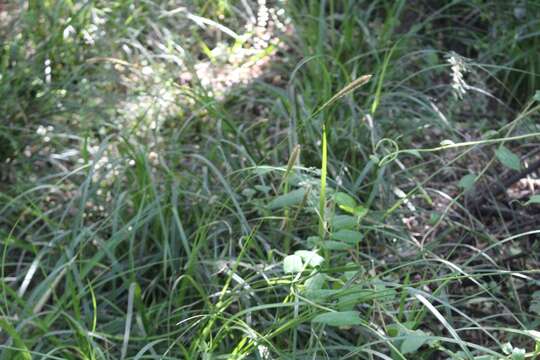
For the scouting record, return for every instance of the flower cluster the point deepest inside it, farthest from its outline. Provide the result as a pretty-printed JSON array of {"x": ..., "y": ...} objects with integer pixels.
[{"x": 458, "y": 69}]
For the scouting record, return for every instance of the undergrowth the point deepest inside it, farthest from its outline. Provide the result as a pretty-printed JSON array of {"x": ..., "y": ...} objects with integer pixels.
[{"x": 269, "y": 180}]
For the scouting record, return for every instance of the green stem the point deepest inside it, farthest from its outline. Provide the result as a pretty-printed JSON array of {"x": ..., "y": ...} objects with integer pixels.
[{"x": 322, "y": 197}]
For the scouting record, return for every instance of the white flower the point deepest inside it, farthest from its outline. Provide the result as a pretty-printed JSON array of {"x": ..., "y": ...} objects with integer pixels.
[
  {"x": 147, "y": 70},
  {"x": 41, "y": 130},
  {"x": 68, "y": 31},
  {"x": 153, "y": 157},
  {"x": 458, "y": 68}
]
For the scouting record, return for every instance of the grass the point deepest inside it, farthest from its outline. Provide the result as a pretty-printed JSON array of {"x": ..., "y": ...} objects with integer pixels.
[{"x": 219, "y": 180}]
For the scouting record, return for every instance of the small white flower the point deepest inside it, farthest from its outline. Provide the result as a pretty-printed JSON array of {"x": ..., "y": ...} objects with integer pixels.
[
  {"x": 458, "y": 68},
  {"x": 68, "y": 31},
  {"x": 147, "y": 70},
  {"x": 41, "y": 130},
  {"x": 153, "y": 157}
]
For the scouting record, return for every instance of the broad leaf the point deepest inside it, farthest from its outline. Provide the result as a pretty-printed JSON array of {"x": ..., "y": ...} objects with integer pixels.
[
  {"x": 508, "y": 158},
  {"x": 535, "y": 199},
  {"x": 360, "y": 211},
  {"x": 315, "y": 282},
  {"x": 343, "y": 199},
  {"x": 344, "y": 222},
  {"x": 413, "y": 152},
  {"x": 294, "y": 197},
  {"x": 413, "y": 342},
  {"x": 348, "y": 236},
  {"x": 349, "y": 301},
  {"x": 320, "y": 294},
  {"x": 341, "y": 318},
  {"x": 518, "y": 354},
  {"x": 336, "y": 245},
  {"x": 467, "y": 182}
]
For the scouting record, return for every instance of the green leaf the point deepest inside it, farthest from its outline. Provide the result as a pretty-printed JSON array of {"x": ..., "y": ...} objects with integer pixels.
[
  {"x": 490, "y": 134},
  {"x": 344, "y": 222},
  {"x": 535, "y": 307},
  {"x": 467, "y": 182},
  {"x": 315, "y": 282},
  {"x": 535, "y": 199},
  {"x": 348, "y": 236},
  {"x": 336, "y": 245},
  {"x": 248, "y": 192},
  {"x": 345, "y": 200},
  {"x": 292, "y": 264},
  {"x": 349, "y": 301},
  {"x": 294, "y": 197},
  {"x": 311, "y": 258},
  {"x": 340, "y": 318},
  {"x": 347, "y": 203},
  {"x": 413, "y": 342},
  {"x": 518, "y": 354},
  {"x": 360, "y": 211},
  {"x": 431, "y": 57},
  {"x": 537, "y": 95},
  {"x": 22, "y": 351},
  {"x": 314, "y": 241},
  {"x": 263, "y": 188},
  {"x": 413, "y": 152},
  {"x": 508, "y": 158},
  {"x": 320, "y": 294}
]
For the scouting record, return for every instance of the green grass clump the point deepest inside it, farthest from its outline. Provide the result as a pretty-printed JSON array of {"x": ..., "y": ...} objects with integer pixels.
[{"x": 269, "y": 180}]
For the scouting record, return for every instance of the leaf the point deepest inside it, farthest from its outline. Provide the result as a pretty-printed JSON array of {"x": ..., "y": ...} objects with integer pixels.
[
  {"x": 467, "y": 182},
  {"x": 336, "y": 245},
  {"x": 345, "y": 200},
  {"x": 311, "y": 258},
  {"x": 248, "y": 192},
  {"x": 344, "y": 222},
  {"x": 518, "y": 354},
  {"x": 348, "y": 301},
  {"x": 508, "y": 158},
  {"x": 22, "y": 351},
  {"x": 413, "y": 342},
  {"x": 294, "y": 197},
  {"x": 413, "y": 152},
  {"x": 263, "y": 188},
  {"x": 348, "y": 236},
  {"x": 320, "y": 294},
  {"x": 315, "y": 282},
  {"x": 535, "y": 199},
  {"x": 490, "y": 134},
  {"x": 431, "y": 57},
  {"x": 537, "y": 95},
  {"x": 339, "y": 318},
  {"x": 360, "y": 211},
  {"x": 292, "y": 264}
]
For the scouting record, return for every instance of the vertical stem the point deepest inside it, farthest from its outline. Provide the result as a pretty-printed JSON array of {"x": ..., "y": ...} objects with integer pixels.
[{"x": 322, "y": 197}]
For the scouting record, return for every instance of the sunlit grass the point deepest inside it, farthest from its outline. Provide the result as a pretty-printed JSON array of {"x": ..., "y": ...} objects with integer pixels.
[{"x": 161, "y": 160}]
